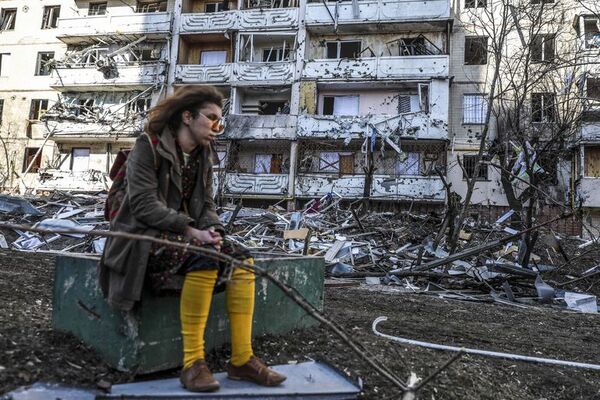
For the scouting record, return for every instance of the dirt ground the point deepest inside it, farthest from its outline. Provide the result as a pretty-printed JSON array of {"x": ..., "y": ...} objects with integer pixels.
[{"x": 30, "y": 351}]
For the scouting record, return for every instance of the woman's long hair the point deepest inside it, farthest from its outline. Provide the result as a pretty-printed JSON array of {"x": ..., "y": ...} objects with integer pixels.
[{"x": 167, "y": 113}]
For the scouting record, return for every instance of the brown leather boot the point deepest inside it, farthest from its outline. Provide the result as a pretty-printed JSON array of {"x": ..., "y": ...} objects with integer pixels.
[
  {"x": 255, "y": 371},
  {"x": 197, "y": 378}
]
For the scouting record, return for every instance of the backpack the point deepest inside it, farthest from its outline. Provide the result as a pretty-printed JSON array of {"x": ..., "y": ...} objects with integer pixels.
[{"x": 118, "y": 175}]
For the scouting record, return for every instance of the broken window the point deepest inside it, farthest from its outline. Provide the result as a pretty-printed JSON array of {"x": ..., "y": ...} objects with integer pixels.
[
  {"x": 343, "y": 49},
  {"x": 591, "y": 34},
  {"x": 139, "y": 106},
  {"x": 84, "y": 107},
  {"x": 424, "y": 97},
  {"x": 273, "y": 107},
  {"x": 591, "y": 162},
  {"x": 268, "y": 163},
  {"x": 80, "y": 159},
  {"x": 593, "y": 88},
  {"x": 476, "y": 50},
  {"x": 340, "y": 105},
  {"x": 474, "y": 108},
  {"x": 97, "y": 8},
  {"x": 542, "y": 48},
  {"x": 411, "y": 46},
  {"x": 469, "y": 163},
  {"x": 329, "y": 161},
  {"x": 32, "y": 157},
  {"x": 213, "y": 7},
  {"x": 273, "y": 55},
  {"x": 8, "y": 18},
  {"x": 50, "y": 17},
  {"x": 150, "y": 6},
  {"x": 4, "y": 64},
  {"x": 408, "y": 164},
  {"x": 543, "y": 107},
  {"x": 147, "y": 54},
  {"x": 43, "y": 63},
  {"x": 221, "y": 160},
  {"x": 213, "y": 57},
  {"x": 475, "y": 3},
  {"x": 37, "y": 109}
]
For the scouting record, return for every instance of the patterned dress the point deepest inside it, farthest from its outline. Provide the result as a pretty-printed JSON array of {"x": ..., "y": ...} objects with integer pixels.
[{"x": 167, "y": 266}]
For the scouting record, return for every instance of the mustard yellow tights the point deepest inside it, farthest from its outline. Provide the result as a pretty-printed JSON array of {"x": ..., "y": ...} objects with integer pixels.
[{"x": 195, "y": 302}]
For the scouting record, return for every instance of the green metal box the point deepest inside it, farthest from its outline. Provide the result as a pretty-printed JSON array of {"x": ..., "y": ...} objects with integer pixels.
[{"x": 148, "y": 338}]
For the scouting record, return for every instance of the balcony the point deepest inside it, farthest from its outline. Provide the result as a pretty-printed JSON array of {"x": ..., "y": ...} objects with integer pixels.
[
  {"x": 423, "y": 188},
  {"x": 260, "y": 127},
  {"x": 152, "y": 25},
  {"x": 85, "y": 181},
  {"x": 263, "y": 185},
  {"x": 253, "y": 19},
  {"x": 128, "y": 77},
  {"x": 377, "y": 68},
  {"x": 379, "y": 15},
  {"x": 409, "y": 126},
  {"x": 241, "y": 73},
  {"x": 590, "y": 131},
  {"x": 65, "y": 130},
  {"x": 589, "y": 191}
]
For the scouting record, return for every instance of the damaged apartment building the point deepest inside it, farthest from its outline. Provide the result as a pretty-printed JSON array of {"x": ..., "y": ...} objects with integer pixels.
[{"x": 349, "y": 98}]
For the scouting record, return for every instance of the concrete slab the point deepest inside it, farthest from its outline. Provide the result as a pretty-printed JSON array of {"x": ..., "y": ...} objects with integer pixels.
[{"x": 309, "y": 380}]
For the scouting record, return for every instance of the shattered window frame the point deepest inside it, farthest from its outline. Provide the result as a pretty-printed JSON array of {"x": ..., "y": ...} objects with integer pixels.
[
  {"x": 543, "y": 108},
  {"x": 50, "y": 17},
  {"x": 280, "y": 54},
  {"x": 97, "y": 8},
  {"x": 8, "y": 19},
  {"x": 474, "y": 108},
  {"x": 543, "y": 48},
  {"x": 338, "y": 48},
  {"x": 150, "y": 6},
  {"x": 28, "y": 156},
  {"x": 218, "y": 7},
  {"x": 41, "y": 66},
  {"x": 327, "y": 166},
  {"x": 476, "y": 51},
  {"x": 591, "y": 31},
  {"x": 469, "y": 162},
  {"x": 37, "y": 109}
]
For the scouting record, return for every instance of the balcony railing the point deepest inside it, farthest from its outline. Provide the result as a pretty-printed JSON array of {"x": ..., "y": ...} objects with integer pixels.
[
  {"x": 280, "y": 72},
  {"x": 411, "y": 125},
  {"x": 94, "y": 130},
  {"x": 142, "y": 75},
  {"x": 260, "y": 127},
  {"x": 590, "y": 131},
  {"x": 254, "y": 184},
  {"x": 385, "y": 187},
  {"x": 378, "y": 68},
  {"x": 254, "y": 19},
  {"x": 377, "y": 11},
  {"x": 103, "y": 25},
  {"x": 589, "y": 191}
]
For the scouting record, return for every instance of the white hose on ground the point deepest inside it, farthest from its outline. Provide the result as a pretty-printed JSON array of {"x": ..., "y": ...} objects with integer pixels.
[{"x": 486, "y": 353}]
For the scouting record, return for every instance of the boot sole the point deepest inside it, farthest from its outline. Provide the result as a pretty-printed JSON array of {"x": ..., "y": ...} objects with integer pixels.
[{"x": 210, "y": 388}]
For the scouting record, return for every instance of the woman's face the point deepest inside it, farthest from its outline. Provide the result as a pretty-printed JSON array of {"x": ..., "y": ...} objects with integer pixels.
[{"x": 205, "y": 127}]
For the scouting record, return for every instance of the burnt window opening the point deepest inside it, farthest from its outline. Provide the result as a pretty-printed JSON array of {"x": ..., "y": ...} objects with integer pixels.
[
  {"x": 475, "y": 3},
  {"x": 276, "y": 54},
  {"x": 268, "y": 163},
  {"x": 147, "y": 54},
  {"x": 591, "y": 32},
  {"x": 150, "y": 6},
  {"x": 273, "y": 107},
  {"x": 476, "y": 50},
  {"x": 343, "y": 49},
  {"x": 139, "y": 106},
  {"x": 8, "y": 18},
  {"x": 543, "y": 48},
  {"x": 593, "y": 88},
  {"x": 37, "y": 109},
  {"x": 50, "y": 17},
  {"x": 83, "y": 107},
  {"x": 412, "y": 46},
  {"x": 34, "y": 157},
  {"x": 543, "y": 107},
  {"x": 469, "y": 166},
  {"x": 547, "y": 167},
  {"x": 214, "y": 7},
  {"x": 97, "y": 8},
  {"x": 43, "y": 66}
]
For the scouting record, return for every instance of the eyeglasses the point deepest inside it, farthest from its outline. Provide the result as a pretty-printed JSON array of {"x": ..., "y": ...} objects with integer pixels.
[{"x": 218, "y": 124}]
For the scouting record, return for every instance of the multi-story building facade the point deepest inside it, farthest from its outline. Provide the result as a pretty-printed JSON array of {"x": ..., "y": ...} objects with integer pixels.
[{"x": 354, "y": 98}]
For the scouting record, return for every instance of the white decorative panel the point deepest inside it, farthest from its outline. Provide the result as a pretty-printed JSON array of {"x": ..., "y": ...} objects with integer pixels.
[
  {"x": 208, "y": 22},
  {"x": 112, "y": 24},
  {"x": 316, "y": 185},
  {"x": 203, "y": 73},
  {"x": 258, "y": 72},
  {"x": 268, "y": 18},
  {"x": 266, "y": 184},
  {"x": 130, "y": 75},
  {"x": 408, "y": 188}
]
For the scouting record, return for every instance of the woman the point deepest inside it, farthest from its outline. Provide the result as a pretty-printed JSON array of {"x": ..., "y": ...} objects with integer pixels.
[{"x": 169, "y": 195}]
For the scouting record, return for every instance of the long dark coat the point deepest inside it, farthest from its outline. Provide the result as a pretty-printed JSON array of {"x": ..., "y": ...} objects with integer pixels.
[{"x": 151, "y": 206}]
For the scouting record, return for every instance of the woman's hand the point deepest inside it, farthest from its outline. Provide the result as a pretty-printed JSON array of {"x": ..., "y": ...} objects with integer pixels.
[{"x": 209, "y": 236}]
